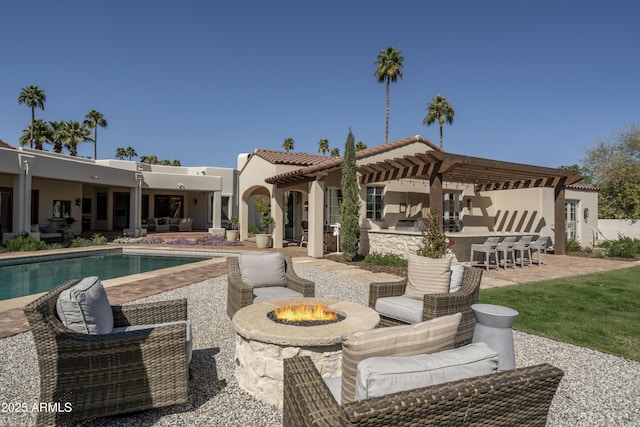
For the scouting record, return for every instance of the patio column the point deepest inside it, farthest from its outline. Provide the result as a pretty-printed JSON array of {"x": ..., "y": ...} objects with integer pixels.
[
  {"x": 243, "y": 218},
  {"x": 316, "y": 219},
  {"x": 216, "y": 211},
  {"x": 560, "y": 236},
  {"x": 22, "y": 185},
  {"x": 435, "y": 194},
  {"x": 277, "y": 212}
]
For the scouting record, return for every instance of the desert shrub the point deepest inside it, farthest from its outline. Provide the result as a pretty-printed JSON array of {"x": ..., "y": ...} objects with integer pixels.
[
  {"x": 25, "y": 243},
  {"x": 128, "y": 240},
  {"x": 572, "y": 245},
  {"x": 217, "y": 241},
  {"x": 624, "y": 247},
  {"x": 377, "y": 258},
  {"x": 96, "y": 240},
  {"x": 253, "y": 230}
]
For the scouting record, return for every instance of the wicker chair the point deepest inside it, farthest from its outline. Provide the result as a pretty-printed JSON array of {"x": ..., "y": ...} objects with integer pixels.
[
  {"x": 437, "y": 305},
  {"x": 511, "y": 398},
  {"x": 240, "y": 294},
  {"x": 102, "y": 375}
]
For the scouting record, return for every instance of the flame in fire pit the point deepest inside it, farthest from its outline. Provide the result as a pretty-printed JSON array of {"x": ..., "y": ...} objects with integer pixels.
[{"x": 301, "y": 313}]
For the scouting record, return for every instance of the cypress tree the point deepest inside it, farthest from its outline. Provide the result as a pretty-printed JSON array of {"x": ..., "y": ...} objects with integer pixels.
[{"x": 350, "y": 208}]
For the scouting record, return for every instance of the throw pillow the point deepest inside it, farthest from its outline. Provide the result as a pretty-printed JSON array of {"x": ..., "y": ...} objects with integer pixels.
[
  {"x": 407, "y": 340},
  {"x": 427, "y": 276},
  {"x": 378, "y": 376},
  {"x": 259, "y": 270},
  {"x": 84, "y": 307},
  {"x": 457, "y": 272}
]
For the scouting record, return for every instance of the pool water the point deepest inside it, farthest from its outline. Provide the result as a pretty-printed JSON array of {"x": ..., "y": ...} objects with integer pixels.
[{"x": 35, "y": 277}]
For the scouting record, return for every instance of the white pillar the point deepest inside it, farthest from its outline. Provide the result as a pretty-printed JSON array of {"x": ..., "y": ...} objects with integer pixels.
[
  {"x": 316, "y": 219},
  {"x": 216, "y": 213},
  {"x": 277, "y": 212},
  {"x": 243, "y": 218}
]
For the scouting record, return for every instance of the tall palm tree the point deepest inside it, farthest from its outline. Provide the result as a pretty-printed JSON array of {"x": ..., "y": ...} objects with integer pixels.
[
  {"x": 121, "y": 154},
  {"x": 440, "y": 109},
  {"x": 55, "y": 136},
  {"x": 72, "y": 133},
  {"x": 388, "y": 69},
  {"x": 335, "y": 152},
  {"x": 360, "y": 146},
  {"x": 130, "y": 152},
  {"x": 39, "y": 133},
  {"x": 33, "y": 97},
  {"x": 93, "y": 119},
  {"x": 288, "y": 144},
  {"x": 323, "y": 146}
]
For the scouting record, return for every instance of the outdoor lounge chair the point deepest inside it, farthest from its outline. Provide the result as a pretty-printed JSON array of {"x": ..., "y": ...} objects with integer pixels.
[
  {"x": 436, "y": 305},
  {"x": 540, "y": 246},
  {"x": 505, "y": 248},
  {"x": 511, "y": 398},
  {"x": 522, "y": 247},
  {"x": 259, "y": 277},
  {"x": 489, "y": 247},
  {"x": 110, "y": 373}
]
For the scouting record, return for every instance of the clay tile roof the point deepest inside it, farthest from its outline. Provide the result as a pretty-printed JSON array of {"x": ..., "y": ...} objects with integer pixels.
[
  {"x": 286, "y": 158},
  {"x": 585, "y": 187},
  {"x": 5, "y": 145},
  {"x": 335, "y": 162}
]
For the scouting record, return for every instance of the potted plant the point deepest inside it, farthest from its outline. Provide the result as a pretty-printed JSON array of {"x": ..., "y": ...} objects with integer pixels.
[
  {"x": 232, "y": 234},
  {"x": 263, "y": 240},
  {"x": 434, "y": 242}
]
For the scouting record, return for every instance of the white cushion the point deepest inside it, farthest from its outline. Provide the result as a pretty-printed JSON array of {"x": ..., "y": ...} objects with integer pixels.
[
  {"x": 259, "y": 270},
  {"x": 457, "y": 271},
  {"x": 427, "y": 276},
  {"x": 84, "y": 307},
  {"x": 273, "y": 292},
  {"x": 189, "y": 342},
  {"x": 378, "y": 376},
  {"x": 335, "y": 387},
  {"x": 407, "y": 310}
]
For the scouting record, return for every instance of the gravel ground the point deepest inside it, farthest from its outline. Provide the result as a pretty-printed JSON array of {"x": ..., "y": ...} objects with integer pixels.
[{"x": 598, "y": 389}]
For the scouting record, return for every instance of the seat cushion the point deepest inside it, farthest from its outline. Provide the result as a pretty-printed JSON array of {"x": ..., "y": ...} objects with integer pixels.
[
  {"x": 407, "y": 310},
  {"x": 84, "y": 307},
  {"x": 407, "y": 340},
  {"x": 273, "y": 292},
  {"x": 457, "y": 272},
  {"x": 378, "y": 376},
  {"x": 189, "y": 343},
  {"x": 334, "y": 385},
  {"x": 258, "y": 270},
  {"x": 427, "y": 276}
]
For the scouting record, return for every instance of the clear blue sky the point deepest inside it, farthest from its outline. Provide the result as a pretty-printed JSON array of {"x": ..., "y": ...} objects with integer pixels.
[{"x": 202, "y": 81}]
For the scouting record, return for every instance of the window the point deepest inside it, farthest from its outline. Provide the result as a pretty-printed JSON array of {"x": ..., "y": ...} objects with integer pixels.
[
  {"x": 170, "y": 206},
  {"x": 452, "y": 206},
  {"x": 374, "y": 203},
  {"x": 333, "y": 203}
]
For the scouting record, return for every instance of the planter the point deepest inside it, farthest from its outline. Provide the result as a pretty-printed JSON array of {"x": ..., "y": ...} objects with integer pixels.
[
  {"x": 232, "y": 235},
  {"x": 263, "y": 241}
]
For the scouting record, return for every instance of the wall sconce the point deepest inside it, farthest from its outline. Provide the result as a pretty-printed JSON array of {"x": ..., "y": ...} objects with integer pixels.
[
  {"x": 181, "y": 186},
  {"x": 306, "y": 205},
  {"x": 195, "y": 201},
  {"x": 78, "y": 202},
  {"x": 94, "y": 176}
]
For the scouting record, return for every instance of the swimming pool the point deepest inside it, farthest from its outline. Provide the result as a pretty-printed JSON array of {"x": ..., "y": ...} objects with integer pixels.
[{"x": 41, "y": 274}]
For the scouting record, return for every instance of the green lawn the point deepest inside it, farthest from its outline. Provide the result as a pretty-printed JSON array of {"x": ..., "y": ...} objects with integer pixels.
[{"x": 600, "y": 311}]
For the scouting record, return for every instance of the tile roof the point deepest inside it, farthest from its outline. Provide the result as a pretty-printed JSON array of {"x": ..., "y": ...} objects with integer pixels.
[
  {"x": 290, "y": 158},
  {"x": 586, "y": 187},
  {"x": 5, "y": 145}
]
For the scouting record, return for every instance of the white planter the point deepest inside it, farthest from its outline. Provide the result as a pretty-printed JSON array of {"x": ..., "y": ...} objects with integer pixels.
[
  {"x": 263, "y": 241},
  {"x": 232, "y": 235}
]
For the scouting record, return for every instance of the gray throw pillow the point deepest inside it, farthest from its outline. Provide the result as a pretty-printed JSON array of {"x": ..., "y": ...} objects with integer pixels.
[
  {"x": 457, "y": 272},
  {"x": 258, "y": 270},
  {"x": 84, "y": 307}
]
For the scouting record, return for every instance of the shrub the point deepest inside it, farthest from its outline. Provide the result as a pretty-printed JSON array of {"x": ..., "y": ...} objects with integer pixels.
[
  {"x": 128, "y": 240},
  {"x": 96, "y": 240},
  {"x": 253, "y": 230},
  {"x": 385, "y": 259},
  {"x": 434, "y": 243},
  {"x": 217, "y": 241},
  {"x": 572, "y": 245},
  {"x": 25, "y": 243},
  {"x": 624, "y": 247}
]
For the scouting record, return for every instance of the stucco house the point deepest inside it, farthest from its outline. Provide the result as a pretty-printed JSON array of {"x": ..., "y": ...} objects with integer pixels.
[
  {"x": 401, "y": 181},
  {"x": 42, "y": 191}
]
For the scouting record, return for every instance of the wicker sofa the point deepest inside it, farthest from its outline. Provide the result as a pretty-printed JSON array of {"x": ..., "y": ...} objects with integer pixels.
[
  {"x": 241, "y": 294},
  {"x": 108, "y": 374},
  {"x": 437, "y": 305},
  {"x": 511, "y": 398}
]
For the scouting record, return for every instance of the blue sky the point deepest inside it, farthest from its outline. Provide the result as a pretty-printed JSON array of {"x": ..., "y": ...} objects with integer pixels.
[{"x": 202, "y": 81}]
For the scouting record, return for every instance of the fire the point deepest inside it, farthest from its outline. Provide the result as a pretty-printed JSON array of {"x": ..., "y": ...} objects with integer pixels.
[{"x": 300, "y": 313}]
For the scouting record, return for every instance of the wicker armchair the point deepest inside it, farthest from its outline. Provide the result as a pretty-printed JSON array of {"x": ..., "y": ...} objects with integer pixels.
[
  {"x": 511, "y": 398},
  {"x": 240, "y": 294},
  {"x": 102, "y": 375},
  {"x": 437, "y": 305}
]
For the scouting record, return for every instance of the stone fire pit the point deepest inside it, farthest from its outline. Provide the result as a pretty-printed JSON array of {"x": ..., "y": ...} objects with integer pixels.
[{"x": 262, "y": 344}]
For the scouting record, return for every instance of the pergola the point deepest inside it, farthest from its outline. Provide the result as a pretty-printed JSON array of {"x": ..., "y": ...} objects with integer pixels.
[{"x": 437, "y": 167}]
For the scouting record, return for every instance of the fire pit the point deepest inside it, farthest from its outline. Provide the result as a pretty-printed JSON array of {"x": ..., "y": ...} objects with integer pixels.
[{"x": 262, "y": 343}]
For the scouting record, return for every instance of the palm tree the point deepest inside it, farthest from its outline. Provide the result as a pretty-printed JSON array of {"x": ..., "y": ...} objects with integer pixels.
[
  {"x": 335, "y": 152},
  {"x": 93, "y": 119},
  {"x": 121, "y": 154},
  {"x": 288, "y": 144},
  {"x": 55, "y": 136},
  {"x": 33, "y": 97},
  {"x": 440, "y": 109},
  {"x": 323, "y": 146},
  {"x": 360, "y": 146},
  {"x": 388, "y": 69},
  {"x": 72, "y": 133},
  {"x": 39, "y": 132},
  {"x": 130, "y": 152}
]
